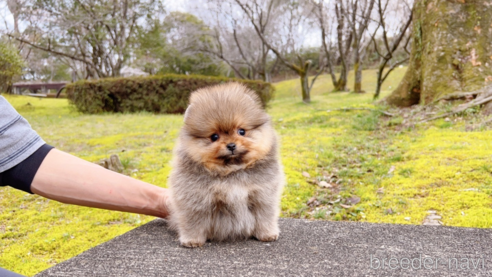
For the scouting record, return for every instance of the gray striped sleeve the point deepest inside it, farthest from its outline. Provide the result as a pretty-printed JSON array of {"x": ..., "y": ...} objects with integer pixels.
[{"x": 17, "y": 139}]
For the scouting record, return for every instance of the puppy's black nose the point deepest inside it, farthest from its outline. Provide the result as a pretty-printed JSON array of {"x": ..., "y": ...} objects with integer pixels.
[{"x": 231, "y": 146}]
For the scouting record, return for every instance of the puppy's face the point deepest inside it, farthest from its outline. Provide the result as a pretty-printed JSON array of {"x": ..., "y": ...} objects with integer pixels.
[{"x": 226, "y": 129}]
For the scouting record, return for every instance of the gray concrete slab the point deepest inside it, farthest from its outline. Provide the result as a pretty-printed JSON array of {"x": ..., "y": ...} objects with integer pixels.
[{"x": 305, "y": 248}]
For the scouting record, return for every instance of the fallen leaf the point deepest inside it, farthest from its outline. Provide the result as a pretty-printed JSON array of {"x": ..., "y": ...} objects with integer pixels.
[
  {"x": 305, "y": 174},
  {"x": 311, "y": 200},
  {"x": 333, "y": 202},
  {"x": 345, "y": 206},
  {"x": 312, "y": 181},
  {"x": 380, "y": 191},
  {"x": 327, "y": 176},
  {"x": 324, "y": 184},
  {"x": 354, "y": 200},
  {"x": 392, "y": 168},
  {"x": 407, "y": 218}
]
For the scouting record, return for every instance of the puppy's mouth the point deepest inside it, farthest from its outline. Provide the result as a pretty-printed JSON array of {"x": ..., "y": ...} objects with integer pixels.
[{"x": 233, "y": 158}]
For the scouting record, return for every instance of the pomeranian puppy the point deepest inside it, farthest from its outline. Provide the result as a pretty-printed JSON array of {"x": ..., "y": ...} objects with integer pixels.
[{"x": 227, "y": 178}]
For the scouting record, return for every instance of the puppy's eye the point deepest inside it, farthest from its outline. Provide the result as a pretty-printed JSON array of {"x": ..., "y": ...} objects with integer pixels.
[
  {"x": 241, "y": 132},
  {"x": 214, "y": 137}
]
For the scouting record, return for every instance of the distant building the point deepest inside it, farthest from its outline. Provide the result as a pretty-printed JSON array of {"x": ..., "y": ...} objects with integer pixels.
[{"x": 39, "y": 89}]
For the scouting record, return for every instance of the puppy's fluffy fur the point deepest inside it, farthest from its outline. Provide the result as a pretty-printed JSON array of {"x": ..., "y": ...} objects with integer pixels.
[{"x": 218, "y": 193}]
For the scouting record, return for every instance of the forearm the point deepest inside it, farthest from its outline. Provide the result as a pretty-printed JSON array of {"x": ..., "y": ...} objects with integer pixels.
[{"x": 71, "y": 180}]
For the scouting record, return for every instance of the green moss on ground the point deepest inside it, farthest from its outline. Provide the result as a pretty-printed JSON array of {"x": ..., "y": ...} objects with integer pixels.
[
  {"x": 444, "y": 170},
  {"x": 380, "y": 171}
]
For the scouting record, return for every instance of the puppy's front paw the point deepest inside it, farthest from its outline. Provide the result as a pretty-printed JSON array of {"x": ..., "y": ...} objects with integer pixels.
[
  {"x": 267, "y": 237},
  {"x": 192, "y": 243},
  {"x": 267, "y": 232}
]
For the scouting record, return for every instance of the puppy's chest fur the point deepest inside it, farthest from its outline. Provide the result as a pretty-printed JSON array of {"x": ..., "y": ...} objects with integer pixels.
[
  {"x": 243, "y": 187},
  {"x": 231, "y": 207},
  {"x": 229, "y": 198}
]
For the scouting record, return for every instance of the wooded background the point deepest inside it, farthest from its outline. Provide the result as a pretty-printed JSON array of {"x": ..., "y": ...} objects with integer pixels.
[{"x": 251, "y": 39}]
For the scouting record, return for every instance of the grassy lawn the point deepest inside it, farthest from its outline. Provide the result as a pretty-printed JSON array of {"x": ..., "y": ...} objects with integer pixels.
[{"x": 379, "y": 171}]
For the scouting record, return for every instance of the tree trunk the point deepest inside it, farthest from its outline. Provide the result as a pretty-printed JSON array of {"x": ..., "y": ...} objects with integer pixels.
[
  {"x": 332, "y": 74},
  {"x": 343, "y": 50},
  {"x": 357, "y": 73},
  {"x": 358, "y": 78},
  {"x": 342, "y": 80},
  {"x": 306, "y": 97},
  {"x": 379, "y": 79},
  {"x": 451, "y": 51}
]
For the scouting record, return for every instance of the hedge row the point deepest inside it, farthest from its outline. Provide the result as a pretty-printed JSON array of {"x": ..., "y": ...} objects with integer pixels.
[{"x": 157, "y": 94}]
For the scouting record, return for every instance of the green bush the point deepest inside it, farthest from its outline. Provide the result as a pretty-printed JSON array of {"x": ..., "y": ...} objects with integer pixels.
[
  {"x": 11, "y": 64},
  {"x": 157, "y": 94}
]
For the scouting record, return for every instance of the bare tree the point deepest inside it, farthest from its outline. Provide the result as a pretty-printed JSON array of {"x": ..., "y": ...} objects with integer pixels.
[
  {"x": 392, "y": 37},
  {"x": 345, "y": 38},
  {"x": 352, "y": 20},
  {"x": 235, "y": 41},
  {"x": 93, "y": 33},
  {"x": 358, "y": 15},
  {"x": 325, "y": 22},
  {"x": 224, "y": 48},
  {"x": 295, "y": 15},
  {"x": 253, "y": 50}
]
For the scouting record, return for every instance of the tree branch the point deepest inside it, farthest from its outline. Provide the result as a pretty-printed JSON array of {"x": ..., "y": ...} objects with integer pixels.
[
  {"x": 50, "y": 50},
  {"x": 264, "y": 40},
  {"x": 315, "y": 77},
  {"x": 393, "y": 67},
  {"x": 461, "y": 108}
]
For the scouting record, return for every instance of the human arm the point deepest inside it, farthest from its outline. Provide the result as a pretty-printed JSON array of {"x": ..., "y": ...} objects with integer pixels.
[
  {"x": 71, "y": 180},
  {"x": 30, "y": 165}
]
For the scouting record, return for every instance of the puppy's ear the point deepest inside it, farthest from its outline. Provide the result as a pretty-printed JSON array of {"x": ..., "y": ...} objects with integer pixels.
[{"x": 187, "y": 113}]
